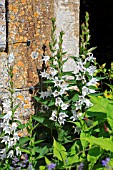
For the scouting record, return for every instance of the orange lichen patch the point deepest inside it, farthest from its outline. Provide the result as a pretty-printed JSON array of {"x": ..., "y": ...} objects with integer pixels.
[
  {"x": 15, "y": 71},
  {"x": 10, "y": 7},
  {"x": 15, "y": 9},
  {"x": 23, "y": 1},
  {"x": 26, "y": 101},
  {"x": 36, "y": 14},
  {"x": 12, "y": 17},
  {"x": 20, "y": 30},
  {"x": 21, "y": 97},
  {"x": 23, "y": 133},
  {"x": 20, "y": 64},
  {"x": 27, "y": 106},
  {"x": 22, "y": 12}
]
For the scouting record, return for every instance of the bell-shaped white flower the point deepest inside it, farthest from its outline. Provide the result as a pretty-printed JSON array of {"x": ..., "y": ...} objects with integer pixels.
[
  {"x": 10, "y": 154},
  {"x": 54, "y": 116},
  {"x": 58, "y": 101},
  {"x": 64, "y": 106},
  {"x": 62, "y": 117},
  {"x": 45, "y": 59}
]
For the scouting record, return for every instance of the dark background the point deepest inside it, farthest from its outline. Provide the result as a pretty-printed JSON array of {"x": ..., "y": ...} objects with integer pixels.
[{"x": 101, "y": 27}]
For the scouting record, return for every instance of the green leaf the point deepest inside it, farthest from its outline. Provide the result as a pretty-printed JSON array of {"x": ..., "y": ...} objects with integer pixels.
[
  {"x": 104, "y": 143},
  {"x": 15, "y": 108},
  {"x": 25, "y": 150},
  {"x": 42, "y": 168},
  {"x": 75, "y": 97},
  {"x": 51, "y": 103},
  {"x": 83, "y": 142},
  {"x": 73, "y": 149},
  {"x": 23, "y": 140},
  {"x": 39, "y": 141},
  {"x": 59, "y": 151},
  {"x": 37, "y": 98},
  {"x": 47, "y": 161},
  {"x": 102, "y": 108},
  {"x": 73, "y": 159},
  {"x": 93, "y": 156},
  {"x": 39, "y": 119},
  {"x": 42, "y": 151}
]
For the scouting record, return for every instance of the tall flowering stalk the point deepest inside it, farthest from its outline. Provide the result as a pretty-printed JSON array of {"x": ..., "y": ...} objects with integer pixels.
[
  {"x": 66, "y": 99},
  {"x": 9, "y": 136}
]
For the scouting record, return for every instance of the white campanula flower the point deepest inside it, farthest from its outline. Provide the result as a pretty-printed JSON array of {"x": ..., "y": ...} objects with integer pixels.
[
  {"x": 7, "y": 129},
  {"x": 81, "y": 77},
  {"x": 11, "y": 143},
  {"x": 62, "y": 117},
  {"x": 6, "y": 105},
  {"x": 90, "y": 58},
  {"x": 77, "y": 130},
  {"x": 5, "y": 139},
  {"x": 8, "y": 116},
  {"x": 55, "y": 62},
  {"x": 10, "y": 154},
  {"x": 58, "y": 101},
  {"x": 92, "y": 82},
  {"x": 34, "y": 55},
  {"x": 44, "y": 74},
  {"x": 18, "y": 152},
  {"x": 85, "y": 91},
  {"x": 55, "y": 93},
  {"x": 78, "y": 105},
  {"x": 91, "y": 70},
  {"x": 2, "y": 153},
  {"x": 64, "y": 86},
  {"x": 64, "y": 106},
  {"x": 76, "y": 115},
  {"x": 81, "y": 99},
  {"x": 57, "y": 82},
  {"x": 53, "y": 72},
  {"x": 15, "y": 137},
  {"x": 14, "y": 126},
  {"x": 88, "y": 103},
  {"x": 45, "y": 94},
  {"x": 54, "y": 116},
  {"x": 45, "y": 59},
  {"x": 50, "y": 77},
  {"x": 91, "y": 91},
  {"x": 80, "y": 66}
]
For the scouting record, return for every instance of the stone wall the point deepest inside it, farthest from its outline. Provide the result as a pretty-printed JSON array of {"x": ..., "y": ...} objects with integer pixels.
[
  {"x": 31, "y": 20},
  {"x": 2, "y": 26}
]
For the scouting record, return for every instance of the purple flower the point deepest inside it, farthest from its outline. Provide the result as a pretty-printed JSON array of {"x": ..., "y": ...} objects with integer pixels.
[
  {"x": 105, "y": 162},
  {"x": 30, "y": 167},
  {"x": 15, "y": 159},
  {"x": 51, "y": 166},
  {"x": 80, "y": 167}
]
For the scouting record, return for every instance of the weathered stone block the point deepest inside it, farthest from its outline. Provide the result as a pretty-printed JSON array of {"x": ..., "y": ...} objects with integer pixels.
[{"x": 2, "y": 26}]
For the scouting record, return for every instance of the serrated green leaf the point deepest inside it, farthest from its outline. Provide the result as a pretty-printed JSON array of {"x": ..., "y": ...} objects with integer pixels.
[
  {"x": 59, "y": 151},
  {"x": 102, "y": 108},
  {"x": 104, "y": 143}
]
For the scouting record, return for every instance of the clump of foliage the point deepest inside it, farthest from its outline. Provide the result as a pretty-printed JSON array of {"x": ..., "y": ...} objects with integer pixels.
[{"x": 72, "y": 126}]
